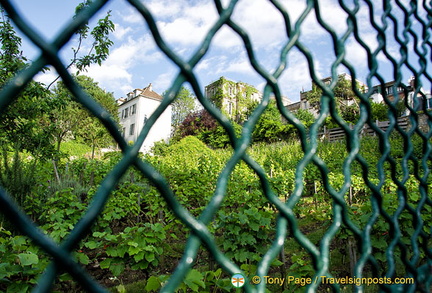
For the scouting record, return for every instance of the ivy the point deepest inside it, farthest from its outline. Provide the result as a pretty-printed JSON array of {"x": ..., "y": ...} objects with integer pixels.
[{"x": 240, "y": 102}]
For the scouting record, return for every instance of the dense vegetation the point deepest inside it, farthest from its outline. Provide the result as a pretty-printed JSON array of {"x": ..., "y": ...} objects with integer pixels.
[
  {"x": 137, "y": 239},
  {"x": 48, "y": 166}
]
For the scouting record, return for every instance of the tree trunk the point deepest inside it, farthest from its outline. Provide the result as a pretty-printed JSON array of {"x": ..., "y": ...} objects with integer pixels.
[
  {"x": 56, "y": 171},
  {"x": 351, "y": 246},
  {"x": 93, "y": 151}
]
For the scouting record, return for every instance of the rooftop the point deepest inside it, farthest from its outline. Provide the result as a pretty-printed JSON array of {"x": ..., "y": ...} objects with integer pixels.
[{"x": 146, "y": 92}]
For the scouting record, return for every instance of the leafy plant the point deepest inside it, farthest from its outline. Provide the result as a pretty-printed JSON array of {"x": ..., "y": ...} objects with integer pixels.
[
  {"x": 20, "y": 262},
  {"x": 135, "y": 247}
]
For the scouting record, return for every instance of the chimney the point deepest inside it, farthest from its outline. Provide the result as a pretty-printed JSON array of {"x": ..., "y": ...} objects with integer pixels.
[{"x": 150, "y": 87}]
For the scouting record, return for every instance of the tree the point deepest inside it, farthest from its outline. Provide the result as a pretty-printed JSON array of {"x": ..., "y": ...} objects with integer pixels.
[
  {"x": 70, "y": 119},
  {"x": 184, "y": 104},
  {"x": 196, "y": 123},
  {"x": 203, "y": 126},
  {"x": 270, "y": 127},
  {"x": 305, "y": 116},
  {"x": 379, "y": 111},
  {"x": 22, "y": 123},
  {"x": 99, "y": 48},
  {"x": 346, "y": 102}
]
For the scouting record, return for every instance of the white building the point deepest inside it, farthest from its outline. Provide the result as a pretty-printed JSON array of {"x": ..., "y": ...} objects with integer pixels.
[
  {"x": 134, "y": 111},
  {"x": 392, "y": 91},
  {"x": 304, "y": 101}
]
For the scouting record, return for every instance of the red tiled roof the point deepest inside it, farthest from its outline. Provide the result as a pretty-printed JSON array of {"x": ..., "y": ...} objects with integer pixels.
[{"x": 148, "y": 92}]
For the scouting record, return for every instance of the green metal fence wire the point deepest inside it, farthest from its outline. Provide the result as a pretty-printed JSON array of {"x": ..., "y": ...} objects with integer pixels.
[{"x": 410, "y": 43}]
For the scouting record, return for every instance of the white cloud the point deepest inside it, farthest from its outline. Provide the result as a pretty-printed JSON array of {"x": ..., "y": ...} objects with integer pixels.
[
  {"x": 241, "y": 66},
  {"x": 203, "y": 65},
  {"x": 121, "y": 31},
  {"x": 296, "y": 76},
  {"x": 226, "y": 38},
  {"x": 46, "y": 77},
  {"x": 130, "y": 15},
  {"x": 334, "y": 16},
  {"x": 261, "y": 20},
  {"x": 164, "y": 81},
  {"x": 117, "y": 77},
  {"x": 142, "y": 50},
  {"x": 163, "y": 9},
  {"x": 116, "y": 72},
  {"x": 310, "y": 29},
  {"x": 183, "y": 22},
  {"x": 356, "y": 54}
]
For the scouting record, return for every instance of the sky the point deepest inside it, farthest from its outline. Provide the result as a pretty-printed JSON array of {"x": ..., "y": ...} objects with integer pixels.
[{"x": 135, "y": 60}]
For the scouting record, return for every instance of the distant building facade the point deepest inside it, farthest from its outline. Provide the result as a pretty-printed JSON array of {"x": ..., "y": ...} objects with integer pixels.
[
  {"x": 392, "y": 91},
  {"x": 134, "y": 111},
  {"x": 233, "y": 97},
  {"x": 305, "y": 104}
]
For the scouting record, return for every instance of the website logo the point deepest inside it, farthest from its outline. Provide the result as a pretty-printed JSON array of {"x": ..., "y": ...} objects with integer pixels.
[{"x": 238, "y": 280}]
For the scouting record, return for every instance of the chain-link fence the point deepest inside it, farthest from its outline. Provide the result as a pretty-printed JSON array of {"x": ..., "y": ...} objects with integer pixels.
[{"x": 414, "y": 46}]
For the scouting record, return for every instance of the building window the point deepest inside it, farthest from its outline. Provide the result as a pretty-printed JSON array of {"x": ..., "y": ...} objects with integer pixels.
[
  {"x": 429, "y": 103},
  {"x": 126, "y": 112},
  {"x": 132, "y": 129},
  {"x": 124, "y": 131},
  {"x": 230, "y": 110},
  {"x": 133, "y": 109}
]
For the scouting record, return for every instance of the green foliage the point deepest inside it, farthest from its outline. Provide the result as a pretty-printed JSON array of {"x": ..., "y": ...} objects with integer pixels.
[
  {"x": 379, "y": 112},
  {"x": 17, "y": 176},
  {"x": 31, "y": 121},
  {"x": 136, "y": 247},
  {"x": 195, "y": 281},
  {"x": 11, "y": 58},
  {"x": 159, "y": 148},
  {"x": 234, "y": 99},
  {"x": 218, "y": 138},
  {"x": 188, "y": 145},
  {"x": 247, "y": 233},
  {"x": 346, "y": 102},
  {"x": 75, "y": 149},
  {"x": 184, "y": 104},
  {"x": 100, "y": 42},
  {"x": 196, "y": 123},
  {"x": 305, "y": 116},
  {"x": 20, "y": 262},
  {"x": 69, "y": 119},
  {"x": 270, "y": 127},
  {"x": 137, "y": 233},
  {"x": 23, "y": 125}
]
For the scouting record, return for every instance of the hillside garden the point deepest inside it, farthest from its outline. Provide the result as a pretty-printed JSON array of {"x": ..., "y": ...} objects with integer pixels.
[
  {"x": 49, "y": 164},
  {"x": 137, "y": 241}
]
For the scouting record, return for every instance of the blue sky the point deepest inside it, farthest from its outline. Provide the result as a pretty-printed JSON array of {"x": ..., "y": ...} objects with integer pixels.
[{"x": 135, "y": 61}]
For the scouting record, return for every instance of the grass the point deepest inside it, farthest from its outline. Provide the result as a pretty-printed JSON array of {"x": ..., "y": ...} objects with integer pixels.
[{"x": 75, "y": 149}]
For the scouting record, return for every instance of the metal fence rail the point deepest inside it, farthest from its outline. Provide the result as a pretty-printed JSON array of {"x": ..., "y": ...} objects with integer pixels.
[
  {"x": 408, "y": 42},
  {"x": 336, "y": 134}
]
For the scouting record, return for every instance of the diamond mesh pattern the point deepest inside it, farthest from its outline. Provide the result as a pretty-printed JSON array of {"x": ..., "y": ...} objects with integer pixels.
[{"x": 411, "y": 44}]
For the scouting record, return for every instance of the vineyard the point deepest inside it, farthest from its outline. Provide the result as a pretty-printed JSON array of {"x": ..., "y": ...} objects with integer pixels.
[{"x": 137, "y": 241}]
